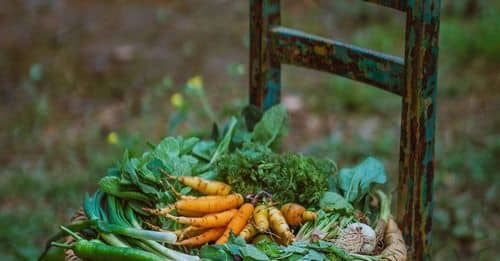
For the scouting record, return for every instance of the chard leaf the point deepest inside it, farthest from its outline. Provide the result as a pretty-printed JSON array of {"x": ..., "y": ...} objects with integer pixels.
[
  {"x": 215, "y": 253},
  {"x": 189, "y": 144},
  {"x": 130, "y": 169},
  {"x": 272, "y": 126},
  {"x": 250, "y": 252},
  {"x": 313, "y": 255},
  {"x": 356, "y": 182},
  {"x": 333, "y": 201},
  {"x": 209, "y": 175},
  {"x": 271, "y": 249},
  {"x": 154, "y": 166},
  {"x": 204, "y": 149},
  {"x": 168, "y": 148},
  {"x": 294, "y": 248}
]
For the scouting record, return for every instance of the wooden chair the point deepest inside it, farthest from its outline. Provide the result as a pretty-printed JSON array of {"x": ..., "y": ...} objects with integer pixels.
[{"x": 413, "y": 77}]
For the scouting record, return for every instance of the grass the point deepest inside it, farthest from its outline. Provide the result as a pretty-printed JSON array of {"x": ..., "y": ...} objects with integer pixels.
[{"x": 60, "y": 111}]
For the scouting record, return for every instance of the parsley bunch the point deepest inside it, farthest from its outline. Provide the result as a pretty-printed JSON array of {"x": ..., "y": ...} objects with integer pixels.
[{"x": 289, "y": 177}]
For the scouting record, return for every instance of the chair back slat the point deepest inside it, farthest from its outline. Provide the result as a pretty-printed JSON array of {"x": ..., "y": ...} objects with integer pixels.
[{"x": 313, "y": 52}]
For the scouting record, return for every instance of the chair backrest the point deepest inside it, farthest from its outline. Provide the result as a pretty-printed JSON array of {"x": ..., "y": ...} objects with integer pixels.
[{"x": 413, "y": 77}]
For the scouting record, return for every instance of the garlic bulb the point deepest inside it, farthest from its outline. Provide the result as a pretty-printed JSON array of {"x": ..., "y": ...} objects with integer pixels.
[{"x": 357, "y": 238}]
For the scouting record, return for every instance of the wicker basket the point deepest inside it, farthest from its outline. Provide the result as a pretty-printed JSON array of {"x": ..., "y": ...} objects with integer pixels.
[{"x": 80, "y": 215}]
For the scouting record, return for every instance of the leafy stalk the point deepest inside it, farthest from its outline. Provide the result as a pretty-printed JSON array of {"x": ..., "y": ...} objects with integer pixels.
[
  {"x": 121, "y": 226},
  {"x": 113, "y": 240},
  {"x": 385, "y": 206},
  {"x": 323, "y": 226},
  {"x": 167, "y": 237},
  {"x": 164, "y": 251},
  {"x": 224, "y": 143}
]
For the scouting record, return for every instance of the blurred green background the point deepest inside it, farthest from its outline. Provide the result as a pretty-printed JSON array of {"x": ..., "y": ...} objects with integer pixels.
[{"x": 80, "y": 81}]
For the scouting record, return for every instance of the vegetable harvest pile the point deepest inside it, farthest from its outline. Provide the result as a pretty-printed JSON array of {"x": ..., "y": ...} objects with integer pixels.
[{"x": 234, "y": 197}]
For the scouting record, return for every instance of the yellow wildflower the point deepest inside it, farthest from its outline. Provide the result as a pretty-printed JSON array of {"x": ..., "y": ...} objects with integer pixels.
[
  {"x": 177, "y": 100},
  {"x": 195, "y": 83},
  {"x": 113, "y": 138}
]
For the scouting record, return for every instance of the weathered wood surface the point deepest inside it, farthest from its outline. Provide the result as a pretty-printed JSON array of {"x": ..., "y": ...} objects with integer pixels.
[
  {"x": 265, "y": 72},
  {"x": 416, "y": 169},
  {"x": 297, "y": 48}
]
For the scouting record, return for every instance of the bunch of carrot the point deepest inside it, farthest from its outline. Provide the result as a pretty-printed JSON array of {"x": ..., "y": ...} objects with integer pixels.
[
  {"x": 207, "y": 218},
  {"x": 212, "y": 217},
  {"x": 268, "y": 219}
]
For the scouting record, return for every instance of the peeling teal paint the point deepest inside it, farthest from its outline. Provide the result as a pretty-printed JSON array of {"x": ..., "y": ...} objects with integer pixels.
[{"x": 270, "y": 8}]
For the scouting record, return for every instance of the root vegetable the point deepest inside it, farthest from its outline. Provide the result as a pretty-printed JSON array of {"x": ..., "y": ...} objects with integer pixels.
[
  {"x": 204, "y": 186},
  {"x": 207, "y": 221},
  {"x": 206, "y": 204},
  {"x": 261, "y": 218},
  {"x": 205, "y": 237},
  {"x": 189, "y": 231},
  {"x": 248, "y": 232},
  {"x": 279, "y": 226},
  {"x": 210, "y": 204},
  {"x": 357, "y": 238},
  {"x": 395, "y": 248},
  {"x": 296, "y": 214},
  {"x": 237, "y": 223},
  {"x": 187, "y": 213}
]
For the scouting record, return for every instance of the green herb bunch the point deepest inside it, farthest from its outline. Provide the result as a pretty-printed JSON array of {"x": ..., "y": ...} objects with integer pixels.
[{"x": 291, "y": 177}]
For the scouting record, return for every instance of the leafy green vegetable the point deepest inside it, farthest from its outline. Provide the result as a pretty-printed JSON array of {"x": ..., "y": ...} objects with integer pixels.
[
  {"x": 263, "y": 251},
  {"x": 223, "y": 146},
  {"x": 204, "y": 149},
  {"x": 356, "y": 182},
  {"x": 213, "y": 253},
  {"x": 333, "y": 201},
  {"x": 272, "y": 126},
  {"x": 289, "y": 177},
  {"x": 250, "y": 252},
  {"x": 270, "y": 249},
  {"x": 326, "y": 226},
  {"x": 111, "y": 185}
]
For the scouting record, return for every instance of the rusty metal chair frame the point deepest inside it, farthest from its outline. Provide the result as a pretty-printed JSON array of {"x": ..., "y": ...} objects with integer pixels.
[{"x": 413, "y": 77}]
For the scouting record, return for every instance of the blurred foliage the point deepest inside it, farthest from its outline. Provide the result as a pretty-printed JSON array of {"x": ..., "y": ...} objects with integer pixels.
[{"x": 81, "y": 81}]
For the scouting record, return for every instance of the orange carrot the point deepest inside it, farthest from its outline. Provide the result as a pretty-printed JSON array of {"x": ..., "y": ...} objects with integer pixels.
[
  {"x": 237, "y": 223},
  {"x": 190, "y": 213},
  {"x": 205, "y": 237},
  {"x": 189, "y": 231},
  {"x": 296, "y": 214},
  {"x": 210, "y": 204},
  {"x": 207, "y": 221},
  {"x": 204, "y": 186},
  {"x": 205, "y": 204}
]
